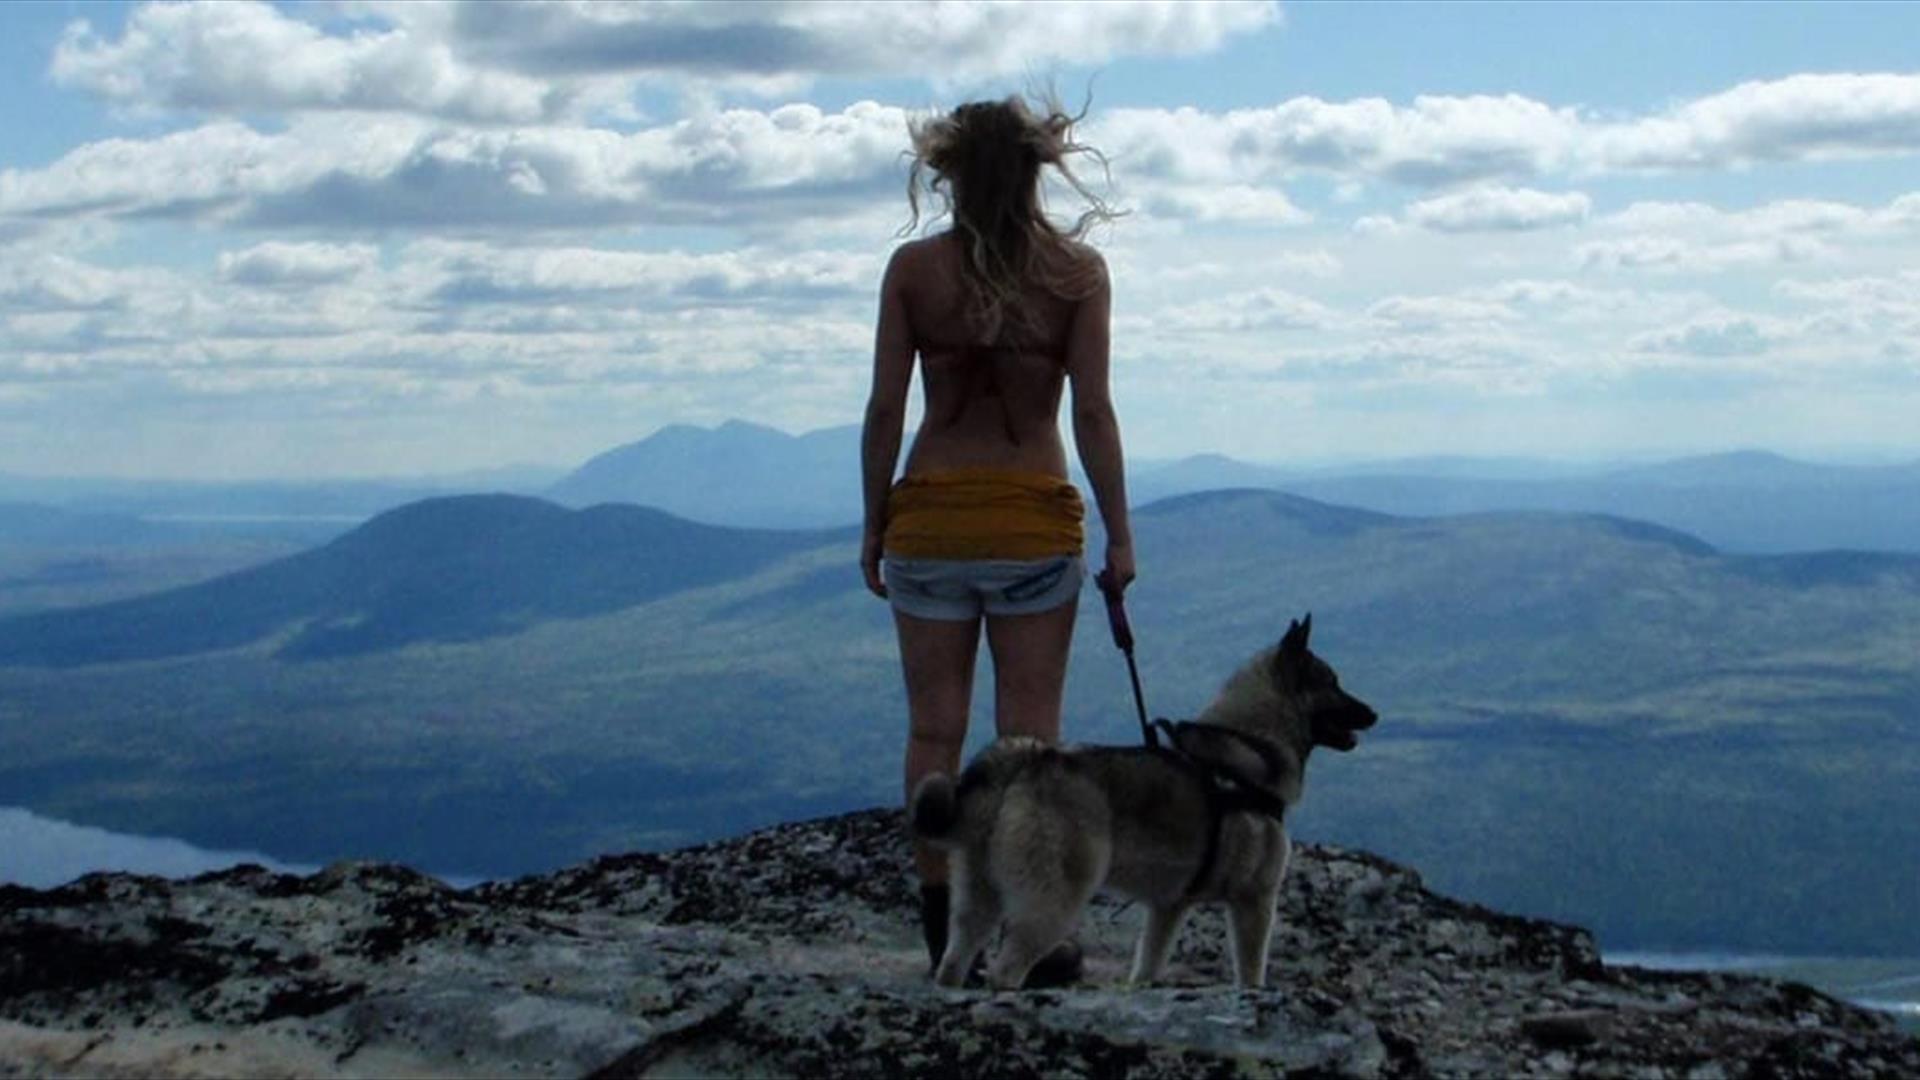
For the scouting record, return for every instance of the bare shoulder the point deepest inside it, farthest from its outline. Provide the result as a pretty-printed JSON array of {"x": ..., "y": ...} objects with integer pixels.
[
  {"x": 915, "y": 254},
  {"x": 1081, "y": 251},
  {"x": 1088, "y": 266},
  {"x": 906, "y": 267}
]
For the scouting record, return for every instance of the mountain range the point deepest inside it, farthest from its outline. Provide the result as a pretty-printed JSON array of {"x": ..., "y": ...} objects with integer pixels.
[
  {"x": 750, "y": 475},
  {"x": 1749, "y": 501},
  {"x": 450, "y": 569},
  {"x": 250, "y": 505},
  {"x": 735, "y": 474},
  {"x": 1583, "y": 716}
]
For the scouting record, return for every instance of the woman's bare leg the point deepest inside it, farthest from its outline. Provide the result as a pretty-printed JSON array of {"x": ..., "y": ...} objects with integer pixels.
[
  {"x": 937, "y": 656},
  {"x": 1030, "y": 670},
  {"x": 1029, "y": 677}
]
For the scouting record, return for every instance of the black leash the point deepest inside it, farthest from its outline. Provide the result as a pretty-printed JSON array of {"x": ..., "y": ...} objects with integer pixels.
[{"x": 1123, "y": 637}]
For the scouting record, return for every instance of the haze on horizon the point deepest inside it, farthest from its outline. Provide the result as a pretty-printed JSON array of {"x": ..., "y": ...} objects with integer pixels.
[{"x": 410, "y": 238}]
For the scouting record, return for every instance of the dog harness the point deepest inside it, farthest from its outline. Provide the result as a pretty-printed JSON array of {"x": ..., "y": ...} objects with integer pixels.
[{"x": 1227, "y": 792}]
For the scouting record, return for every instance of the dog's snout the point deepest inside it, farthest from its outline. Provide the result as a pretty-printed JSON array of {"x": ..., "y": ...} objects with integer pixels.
[{"x": 1358, "y": 715}]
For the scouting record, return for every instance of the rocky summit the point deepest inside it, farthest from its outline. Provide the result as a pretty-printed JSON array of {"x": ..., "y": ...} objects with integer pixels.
[{"x": 795, "y": 951}]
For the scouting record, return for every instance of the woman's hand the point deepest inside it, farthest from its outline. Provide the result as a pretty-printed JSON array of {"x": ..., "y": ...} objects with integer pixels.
[
  {"x": 870, "y": 564},
  {"x": 1119, "y": 564}
]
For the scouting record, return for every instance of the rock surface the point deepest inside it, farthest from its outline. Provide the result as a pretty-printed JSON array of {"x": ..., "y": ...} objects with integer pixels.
[{"x": 795, "y": 950}]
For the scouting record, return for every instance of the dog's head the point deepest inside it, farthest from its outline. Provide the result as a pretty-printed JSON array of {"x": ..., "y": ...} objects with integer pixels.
[
  {"x": 1309, "y": 684},
  {"x": 1291, "y": 697}
]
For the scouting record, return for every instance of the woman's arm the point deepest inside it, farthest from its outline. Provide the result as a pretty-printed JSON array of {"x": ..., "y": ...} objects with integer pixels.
[
  {"x": 886, "y": 416},
  {"x": 1096, "y": 430}
]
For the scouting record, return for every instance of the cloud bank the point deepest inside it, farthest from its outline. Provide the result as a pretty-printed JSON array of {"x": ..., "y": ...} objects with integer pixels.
[
  {"x": 520, "y": 62},
  {"x": 744, "y": 166},
  {"x": 588, "y": 219}
]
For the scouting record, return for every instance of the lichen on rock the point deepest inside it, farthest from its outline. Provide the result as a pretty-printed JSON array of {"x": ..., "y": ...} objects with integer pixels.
[{"x": 795, "y": 950}]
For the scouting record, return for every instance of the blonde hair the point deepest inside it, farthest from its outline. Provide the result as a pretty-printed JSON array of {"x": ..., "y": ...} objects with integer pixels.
[{"x": 984, "y": 161}]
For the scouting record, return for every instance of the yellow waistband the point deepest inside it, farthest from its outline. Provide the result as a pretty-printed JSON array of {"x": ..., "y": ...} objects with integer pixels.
[{"x": 984, "y": 514}]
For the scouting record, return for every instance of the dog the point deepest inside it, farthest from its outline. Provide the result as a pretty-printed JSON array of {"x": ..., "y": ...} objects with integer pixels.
[{"x": 1033, "y": 829}]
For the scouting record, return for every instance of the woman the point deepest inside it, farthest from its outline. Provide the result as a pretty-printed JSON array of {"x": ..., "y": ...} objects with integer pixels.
[{"x": 1004, "y": 310}]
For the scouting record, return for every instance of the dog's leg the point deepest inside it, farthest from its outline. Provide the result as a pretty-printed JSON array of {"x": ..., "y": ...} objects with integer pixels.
[
  {"x": 1030, "y": 935},
  {"x": 976, "y": 911},
  {"x": 1040, "y": 912},
  {"x": 1156, "y": 941},
  {"x": 1250, "y": 909},
  {"x": 1250, "y": 924}
]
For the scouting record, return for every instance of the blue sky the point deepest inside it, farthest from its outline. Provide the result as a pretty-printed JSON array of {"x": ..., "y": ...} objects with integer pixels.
[{"x": 248, "y": 240}]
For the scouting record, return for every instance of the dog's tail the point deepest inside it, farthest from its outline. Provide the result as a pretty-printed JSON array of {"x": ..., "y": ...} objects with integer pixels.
[{"x": 936, "y": 807}]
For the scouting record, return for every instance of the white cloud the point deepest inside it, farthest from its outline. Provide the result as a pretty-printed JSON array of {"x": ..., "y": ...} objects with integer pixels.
[
  {"x": 1478, "y": 361},
  {"x": 1132, "y": 265},
  {"x": 1568, "y": 309},
  {"x": 241, "y": 56},
  {"x": 1894, "y": 295},
  {"x": 1562, "y": 294},
  {"x": 1669, "y": 254},
  {"x": 1437, "y": 140},
  {"x": 508, "y": 62},
  {"x": 201, "y": 172},
  {"x": 1251, "y": 310},
  {"x": 1377, "y": 225},
  {"x": 1905, "y": 211},
  {"x": 735, "y": 166},
  {"x": 1444, "y": 140},
  {"x": 1213, "y": 203},
  {"x": 1806, "y": 117},
  {"x": 1495, "y": 208},
  {"x": 278, "y": 264},
  {"x": 327, "y": 323},
  {"x": 900, "y": 38},
  {"x": 1694, "y": 237},
  {"x": 1875, "y": 312},
  {"x": 1781, "y": 217},
  {"x": 797, "y": 163},
  {"x": 1438, "y": 312},
  {"x": 472, "y": 273},
  {"x": 1721, "y": 334},
  {"x": 49, "y": 283}
]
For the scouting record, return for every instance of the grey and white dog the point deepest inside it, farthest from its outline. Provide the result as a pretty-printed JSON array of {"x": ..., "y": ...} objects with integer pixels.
[{"x": 1033, "y": 830}]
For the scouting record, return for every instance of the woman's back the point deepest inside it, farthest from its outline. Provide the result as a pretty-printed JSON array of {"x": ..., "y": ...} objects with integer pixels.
[
  {"x": 1003, "y": 315},
  {"x": 990, "y": 401}
]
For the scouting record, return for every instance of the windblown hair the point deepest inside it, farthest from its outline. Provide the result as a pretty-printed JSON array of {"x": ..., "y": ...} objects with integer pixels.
[{"x": 984, "y": 161}]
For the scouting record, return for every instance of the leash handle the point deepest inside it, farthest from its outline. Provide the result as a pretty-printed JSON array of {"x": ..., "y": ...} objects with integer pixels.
[{"x": 1116, "y": 611}]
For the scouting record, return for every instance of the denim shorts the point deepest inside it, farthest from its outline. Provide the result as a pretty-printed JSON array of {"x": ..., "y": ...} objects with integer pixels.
[{"x": 955, "y": 589}]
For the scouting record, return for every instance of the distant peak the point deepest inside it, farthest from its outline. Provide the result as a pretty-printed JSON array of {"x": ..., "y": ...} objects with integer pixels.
[
  {"x": 748, "y": 426},
  {"x": 1298, "y": 507},
  {"x": 1746, "y": 457}
]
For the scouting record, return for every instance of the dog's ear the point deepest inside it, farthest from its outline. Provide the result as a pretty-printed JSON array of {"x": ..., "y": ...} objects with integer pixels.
[
  {"x": 1291, "y": 655},
  {"x": 1298, "y": 630}
]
